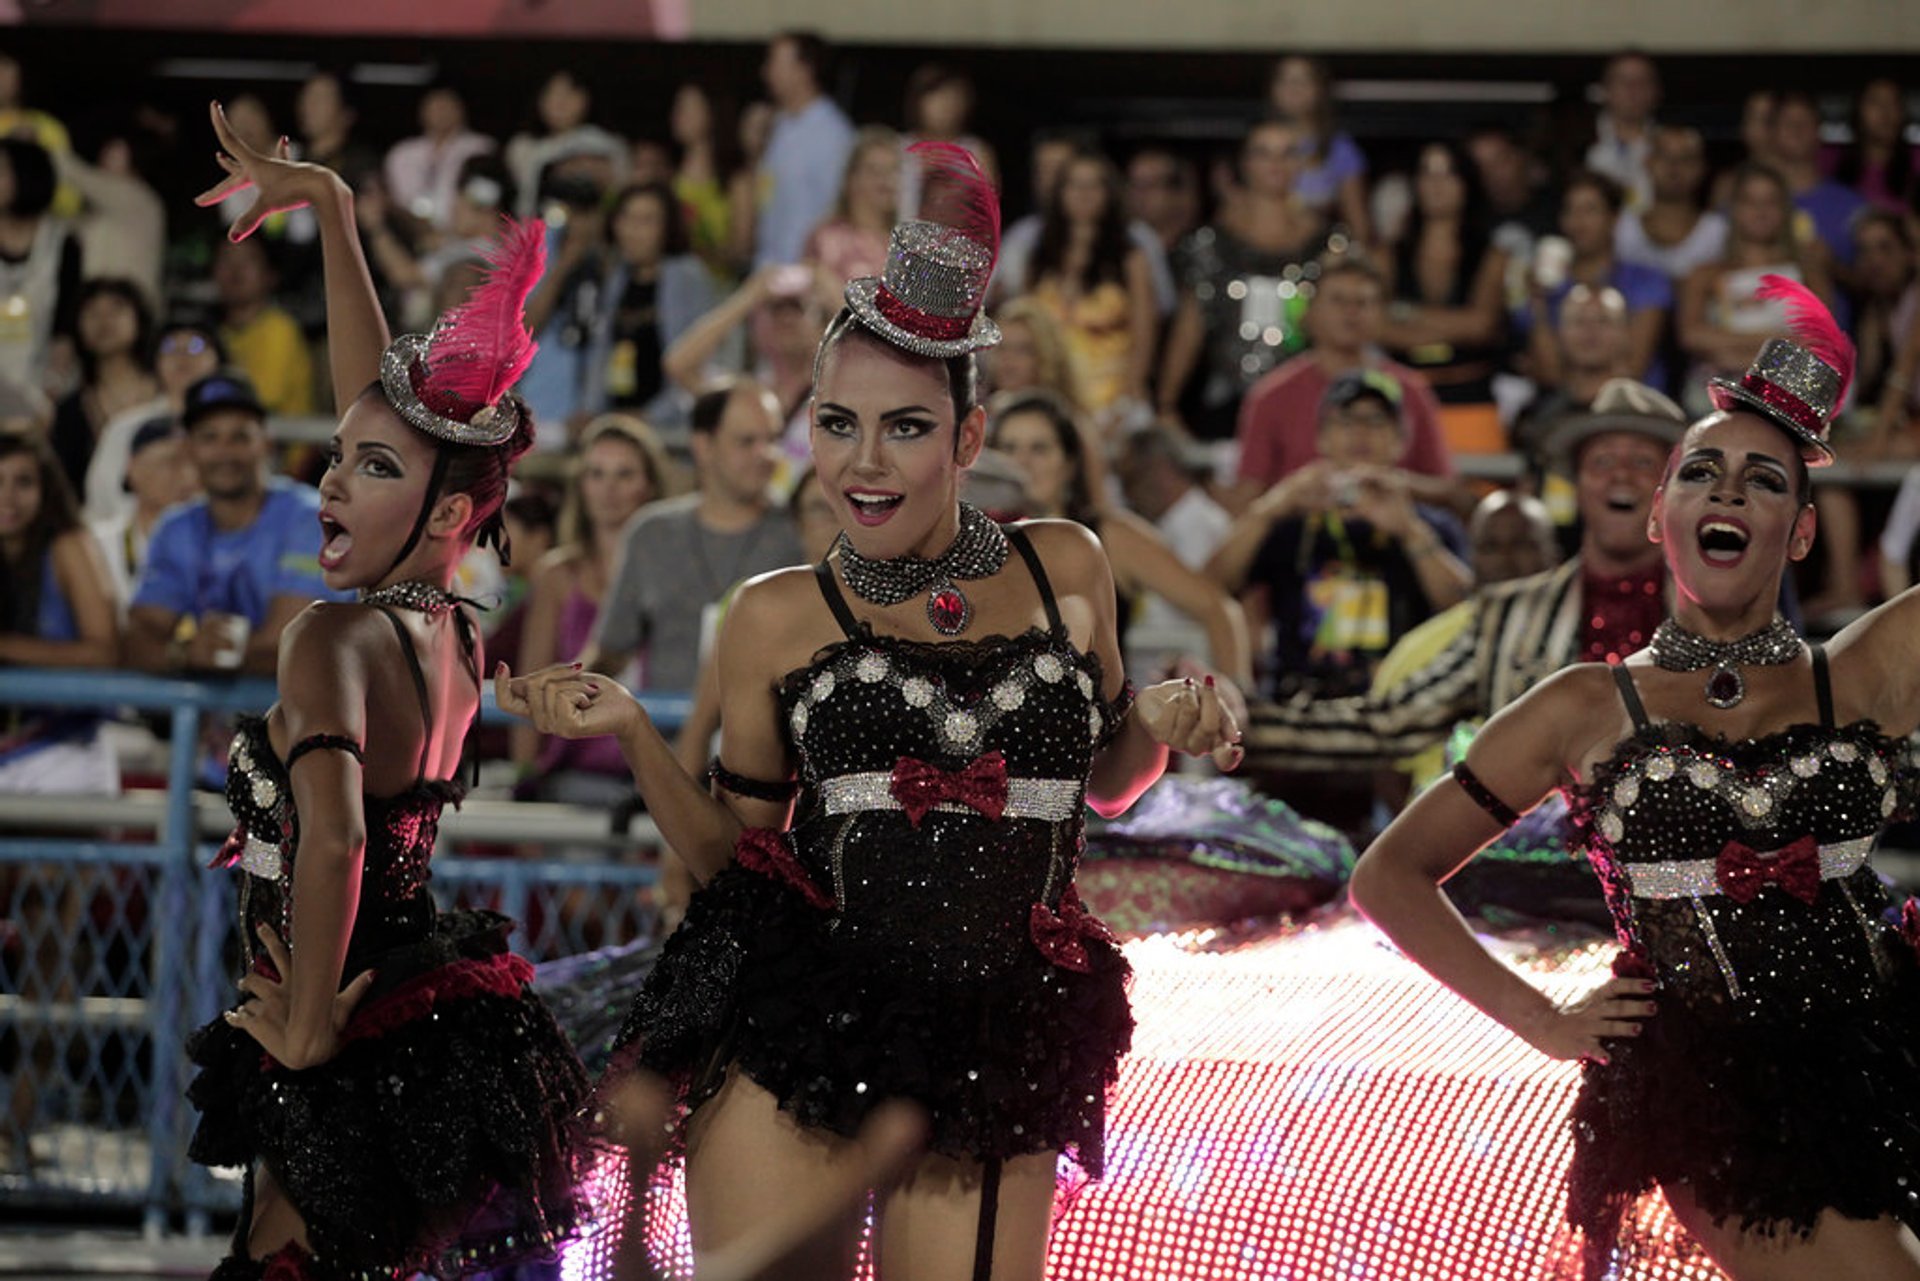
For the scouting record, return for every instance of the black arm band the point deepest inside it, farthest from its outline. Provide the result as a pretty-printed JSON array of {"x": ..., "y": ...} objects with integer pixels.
[
  {"x": 325, "y": 743},
  {"x": 752, "y": 788},
  {"x": 1479, "y": 794}
]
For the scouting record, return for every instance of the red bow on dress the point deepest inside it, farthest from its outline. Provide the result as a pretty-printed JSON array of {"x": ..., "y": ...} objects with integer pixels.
[
  {"x": 1795, "y": 868},
  {"x": 982, "y": 785},
  {"x": 1062, "y": 935},
  {"x": 763, "y": 850}
]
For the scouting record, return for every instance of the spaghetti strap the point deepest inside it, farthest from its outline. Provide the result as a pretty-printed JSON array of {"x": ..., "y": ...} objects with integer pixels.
[
  {"x": 1631, "y": 697},
  {"x": 1822, "y": 684},
  {"x": 419, "y": 688},
  {"x": 1024, "y": 545},
  {"x": 835, "y": 601}
]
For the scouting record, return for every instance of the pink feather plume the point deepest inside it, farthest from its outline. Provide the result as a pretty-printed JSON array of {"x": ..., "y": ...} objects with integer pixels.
[
  {"x": 955, "y": 192},
  {"x": 1812, "y": 325},
  {"x": 481, "y": 347}
]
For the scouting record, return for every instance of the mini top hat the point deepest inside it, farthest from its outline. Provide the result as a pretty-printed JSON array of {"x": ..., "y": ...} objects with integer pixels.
[
  {"x": 1798, "y": 382},
  {"x": 938, "y": 264},
  {"x": 1621, "y": 405},
  {"x": 455, "y": 383}
]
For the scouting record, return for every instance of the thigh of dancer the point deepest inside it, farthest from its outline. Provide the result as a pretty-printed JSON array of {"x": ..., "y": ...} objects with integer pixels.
[{"x": 930, "y": 1225}]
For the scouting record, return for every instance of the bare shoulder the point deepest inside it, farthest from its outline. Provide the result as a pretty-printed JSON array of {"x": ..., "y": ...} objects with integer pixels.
[
  {"x": 1574, "y": 714},
  {"x": 777, "y": 620},
  {"x": 556, "y": 566},
  {"x": 1874, "y": 663},
  {"x": 331, "y": 629},
  {"x": 1071, "y": 552}
]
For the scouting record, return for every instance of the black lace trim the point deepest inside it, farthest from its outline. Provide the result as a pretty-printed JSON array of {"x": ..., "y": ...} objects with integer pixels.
[{"x": 751, "y": 788}]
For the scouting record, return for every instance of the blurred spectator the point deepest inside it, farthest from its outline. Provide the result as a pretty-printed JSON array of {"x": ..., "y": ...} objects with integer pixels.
[
  {"x": 250, "y": 120},
  {"x": 1722, "y": 323},
  {"x": 806, "y": 152},
  {"x": 782, "y": 308},
  {"x": 853, "y": 239},
  {"x": 1053, "y": 150},
  {"x": 743, "y": 185},
  {"x": 1877, "y": 163},
  {"x": 39, "y": 275},
  {"x": 158, "y": 475},
  {"x": 1509, "y": 536},
  {"x": 531, "y": 520},
  {"x": 113, "y": 339},
  {"x": 226, "y": 572},
  {"x": 680, "y": 556},
  {"x": 1348, "y": 561},
  {"x": 1162, "y": 477},
  {"x": 564, "y": 147},
  {"x": 56, "y": 610},
  {"x": 1592, "y": 346},
  {"x": 1332, "y": 180},
  {"x": 938, "y": 108},
  {"x": 701, "y": 174},
  {"x": 621, "y": 468},
  {"x": 453, "y": 259},
  {"x": 1246, "y": 279},
  {"x": 424, "y": 173},
  {"x": 30, "y": 124},
  {"x": 258, "y": 334},
  {"x": 123, "y": 225},
  {"x": 1623, "y": 127},
  {"x": 1829, "y": 206},
  {"x": 325, "y": 117},
  {"x": 1887, "y": 328},
  {"x": 1087, "y": 273},
  {"x": 1590, "y": 208},
  {"x": 1065, "y": 481},
  {"x": 1673, "y": 234},
  {"x": 1163, "y": 192},
  {"x": 1447, "y": 284},
  {"x": 1281, "y": 422},
  {"x": 1032, "y": 354},
  {"x": 183, "y": 354}
]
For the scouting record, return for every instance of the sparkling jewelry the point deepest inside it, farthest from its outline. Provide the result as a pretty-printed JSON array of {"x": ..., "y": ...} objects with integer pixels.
[
  {"x": 1676, "y": 649},
  {"x": 413, "y": 594},
  {"x": 977, "y": 551}
]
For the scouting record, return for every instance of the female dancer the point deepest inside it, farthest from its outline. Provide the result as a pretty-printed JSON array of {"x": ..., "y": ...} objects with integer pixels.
[
  {"x": 1758, "y": 1055},
  {"x": 944, "y": 696},
  {"x": 413, "y": 1118}
]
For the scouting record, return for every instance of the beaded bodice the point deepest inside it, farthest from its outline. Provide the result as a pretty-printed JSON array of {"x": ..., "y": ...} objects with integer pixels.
[
  {"x": 394, "y": 905},
  {"x": 951, "y": 883},
  {"x": 1739, "y": 870}
]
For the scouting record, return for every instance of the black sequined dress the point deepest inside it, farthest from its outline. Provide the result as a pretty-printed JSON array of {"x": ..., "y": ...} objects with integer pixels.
[
  {"x": 1781, "y": 1073},
  {"x": 916, "y": 934},
  {"x": 441, "y": 1138}
]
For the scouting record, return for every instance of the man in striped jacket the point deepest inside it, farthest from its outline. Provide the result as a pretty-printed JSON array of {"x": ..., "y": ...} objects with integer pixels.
[{"x": 1602, "y": 604}]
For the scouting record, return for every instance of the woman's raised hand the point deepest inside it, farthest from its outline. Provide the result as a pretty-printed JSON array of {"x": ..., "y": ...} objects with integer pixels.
[
  {"x": 279, "y": 181},
  {"x": 565, "y": 701},
  {"x": 1580, "y": 1029},
  {"x": 1191, "y": 718}
]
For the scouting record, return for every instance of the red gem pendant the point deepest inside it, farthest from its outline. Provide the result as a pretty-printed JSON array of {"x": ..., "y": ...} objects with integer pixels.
[
  {"x": 948, "y": 610},
  {"x": 1725, "y": 688}
]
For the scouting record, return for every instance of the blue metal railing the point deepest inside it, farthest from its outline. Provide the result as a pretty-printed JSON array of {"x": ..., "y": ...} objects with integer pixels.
[{"x": 157, "y": 966}]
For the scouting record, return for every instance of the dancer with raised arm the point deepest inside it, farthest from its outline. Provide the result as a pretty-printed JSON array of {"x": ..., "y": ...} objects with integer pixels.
[
  {"x": 943, "y": 696},
  {"x": 1757, "y": 1057},
  {"x": 399, "y": 1100}
]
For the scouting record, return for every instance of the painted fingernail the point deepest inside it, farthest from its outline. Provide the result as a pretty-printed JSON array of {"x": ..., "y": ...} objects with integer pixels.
[
  {"x": 593, "y": 687},
  {"x": 576, "y": 666},
  {"x": 1189, "y": 681},
  {"x": 1209, "y": 680}
]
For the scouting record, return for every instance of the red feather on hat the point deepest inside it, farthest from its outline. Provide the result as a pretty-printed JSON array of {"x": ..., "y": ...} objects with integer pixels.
[
  {"x": 480, "y": 348},
  {"x": 956, "y": 193},
  {"x": 1812, "y": 326}
]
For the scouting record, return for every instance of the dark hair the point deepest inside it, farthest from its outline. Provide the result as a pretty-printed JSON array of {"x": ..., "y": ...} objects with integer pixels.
[
  {"x": 1111, "y": 243},
  {"x": 1270, "y": 120},
  {"x": 129, "y": 293},
  {"x": 1797, "y": 98},
  {"x": 674, "y": 241},
  {"x": 1896, "y": 224},
  {"x": 1334, "y": 266},
  {"x": 929, "y": 78},
  {"x": 710, "y": 406},
  {"x": 34, "y": 181},
  {"x": 488, "y": 166},
  {"x": 1476, "y": 230},
  {"x": 1608, "y": 189},
  {"x": 963, "y": 371},
  {"x": 1081, "y": 504},
  {"x": 1853, "y": 157},
  {"x": 1321, "y": 121},
  {"x": 21, "y": 581},
  {"x": 813, "y": 52},
  {"x": 808, "y": 474}
]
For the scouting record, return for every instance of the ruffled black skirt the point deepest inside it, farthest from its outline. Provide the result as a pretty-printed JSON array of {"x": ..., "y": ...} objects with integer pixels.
[
  {"x": 443, "y": 1138},
  {"x": 1764, "y": 1124},
  {"x": 1007, "y": 1065}
]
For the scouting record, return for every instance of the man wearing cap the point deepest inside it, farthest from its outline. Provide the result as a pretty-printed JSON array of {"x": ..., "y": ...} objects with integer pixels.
[
  {"x": 158, "y": 475},
  {"x": 1601, "y": 604},
  {"x": 227, "y": 571}
]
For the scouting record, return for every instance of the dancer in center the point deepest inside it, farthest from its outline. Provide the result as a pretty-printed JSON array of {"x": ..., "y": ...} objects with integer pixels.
[{"x": 910, "y": 732}]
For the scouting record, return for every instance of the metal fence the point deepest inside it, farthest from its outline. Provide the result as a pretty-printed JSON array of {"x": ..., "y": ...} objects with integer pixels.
[{"x": 116, "y": 941}]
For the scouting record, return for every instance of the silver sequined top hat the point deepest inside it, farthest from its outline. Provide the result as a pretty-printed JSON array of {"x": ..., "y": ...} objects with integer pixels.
[
  {"x": 1621, "y": 405},
  {"x": 403, "y": 378},
  {"x": 928, "y": 300},
  {"x": 1791, "y": 386}
]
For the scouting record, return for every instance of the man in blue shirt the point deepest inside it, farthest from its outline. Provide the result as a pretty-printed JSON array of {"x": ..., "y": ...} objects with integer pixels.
[
  {"x": 807, "y": 151},
  {"x": 227, "y": 571}
]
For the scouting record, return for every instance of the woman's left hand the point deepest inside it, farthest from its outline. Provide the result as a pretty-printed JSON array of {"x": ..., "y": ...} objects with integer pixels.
[
  {"x": 264, "y": 1014},
  {"x": 1191, "y": 718}
]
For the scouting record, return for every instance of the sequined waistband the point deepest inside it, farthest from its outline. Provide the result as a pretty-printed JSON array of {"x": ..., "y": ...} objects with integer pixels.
[
  {"x": 1052, "y": 800},
  {"x": 1700, "y": 877}
]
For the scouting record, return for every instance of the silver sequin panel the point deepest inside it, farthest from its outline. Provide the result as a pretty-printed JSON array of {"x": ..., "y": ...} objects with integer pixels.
[
  {"x": 1052, "y": 800},
  {"x": 1695, "y": 877},
  {"x": 1753, "y": 799}
]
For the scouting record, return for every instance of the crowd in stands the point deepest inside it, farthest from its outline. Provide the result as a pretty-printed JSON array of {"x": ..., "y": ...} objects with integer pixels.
[{"x": 1308, "y": 405}]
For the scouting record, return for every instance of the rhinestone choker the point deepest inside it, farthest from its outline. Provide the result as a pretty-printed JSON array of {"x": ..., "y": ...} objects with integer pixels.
[
  {"x": 1676, "y": 649},
  {"x": 978, "y": 550},
  {"x": 413, "y": 594}
]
